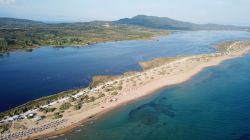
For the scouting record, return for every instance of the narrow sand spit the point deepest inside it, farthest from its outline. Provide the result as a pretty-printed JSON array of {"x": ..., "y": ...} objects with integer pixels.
[{"x": 113, "y": 92}]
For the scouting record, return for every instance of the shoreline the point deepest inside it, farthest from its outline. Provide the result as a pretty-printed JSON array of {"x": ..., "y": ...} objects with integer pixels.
[
  {"x": 28, "y": 50},
  {"x": 178, "y": 71},
  {"x": 103, "y": 112},
  {"x": 93, "y": 118},
  {"x": 31, "y": 48}
]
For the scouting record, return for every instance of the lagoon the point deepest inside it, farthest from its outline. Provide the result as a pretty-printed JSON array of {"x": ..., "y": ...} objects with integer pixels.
[{"x": 44, "y": 71}]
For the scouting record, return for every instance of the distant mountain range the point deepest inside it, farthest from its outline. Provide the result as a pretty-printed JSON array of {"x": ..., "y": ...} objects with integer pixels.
[
  {"x": 6, "y": 22},
  {"x": 140, "y": 20},
  {"x": 171, "y": 24}
]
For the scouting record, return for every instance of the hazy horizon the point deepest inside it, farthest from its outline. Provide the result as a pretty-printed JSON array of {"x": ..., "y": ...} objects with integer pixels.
[{"x": 227, "y": 12}]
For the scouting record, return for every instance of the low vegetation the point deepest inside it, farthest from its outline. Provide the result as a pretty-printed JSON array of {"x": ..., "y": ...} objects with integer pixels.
[
  {"x": 100, "y": 95},
  {"x": 30, "y": 35},
  {"x": 57, "y": 115},
  {"x": 156, "y": 62},
  {"x": 114, "y": 93},
  {"x": 96, "y": 80},
  {"x": 91, "y": 99},
  {"x": 72, "y": 99},
  {"x": 4, "y": 127},
  {"x": 223, "y": 47},
  {"x": 65, "y": 106},
  {"x": 47, "y": 109},
  {"x": 78, "y": 106}
]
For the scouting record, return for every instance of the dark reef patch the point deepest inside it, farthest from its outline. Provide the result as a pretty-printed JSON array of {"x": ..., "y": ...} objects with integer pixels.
[{"x": 148, "y": 114}]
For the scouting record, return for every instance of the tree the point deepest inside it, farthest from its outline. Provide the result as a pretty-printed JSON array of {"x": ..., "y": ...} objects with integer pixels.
[{"x": 3, "y": 44}]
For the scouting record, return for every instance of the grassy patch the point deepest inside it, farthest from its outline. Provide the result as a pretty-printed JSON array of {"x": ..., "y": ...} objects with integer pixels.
[{"x": 156, "y": 62}]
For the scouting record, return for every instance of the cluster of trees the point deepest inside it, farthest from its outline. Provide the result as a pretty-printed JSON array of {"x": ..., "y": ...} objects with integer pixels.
[{"x": 3, "y": 44}]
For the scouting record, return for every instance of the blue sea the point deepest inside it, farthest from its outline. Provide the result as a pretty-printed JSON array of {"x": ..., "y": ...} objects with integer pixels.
[{"x": 45, "y": 71}]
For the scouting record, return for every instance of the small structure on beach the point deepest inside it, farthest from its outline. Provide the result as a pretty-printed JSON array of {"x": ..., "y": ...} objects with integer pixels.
[
  {"x": 37, "y": 118},
  {"x": 31, "y": 115}
]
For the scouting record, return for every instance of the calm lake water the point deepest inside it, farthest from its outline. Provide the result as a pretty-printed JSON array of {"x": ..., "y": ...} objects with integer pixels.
[
  {"x": 213, "y": 105},
  {"x": 29, "y": 75}
]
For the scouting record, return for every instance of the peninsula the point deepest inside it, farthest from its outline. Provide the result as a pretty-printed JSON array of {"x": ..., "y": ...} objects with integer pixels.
[{"x": 22, "y": 34}]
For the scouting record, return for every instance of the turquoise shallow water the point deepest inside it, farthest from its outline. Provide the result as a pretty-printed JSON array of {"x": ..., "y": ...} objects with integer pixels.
[{"x": 213, "y": 105}]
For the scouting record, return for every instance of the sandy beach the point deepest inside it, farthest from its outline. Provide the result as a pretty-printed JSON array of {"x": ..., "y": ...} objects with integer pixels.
[{"x": 118, "y": 91}]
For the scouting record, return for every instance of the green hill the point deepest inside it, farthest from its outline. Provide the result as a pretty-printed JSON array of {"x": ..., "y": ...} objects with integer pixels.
[{"x": 171, "y": 24}]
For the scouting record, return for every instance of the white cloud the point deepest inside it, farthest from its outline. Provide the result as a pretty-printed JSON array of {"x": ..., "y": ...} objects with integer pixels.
[{"x": 7, "y": 2}]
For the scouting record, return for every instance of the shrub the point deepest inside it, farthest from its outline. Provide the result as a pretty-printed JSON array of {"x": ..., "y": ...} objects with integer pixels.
[
  {"x": 4, "y": 127},
  {"x": 101, "y": 95},
  {"x": 57, "y": 115},
  {"x": 65, "y": 106},
  {"x": 84, "y": 98},
  {"x": 78, "y": 106},
  {"x": 46, "y": 110},
  {"x": 114, "y": 93},
  {"x": 92, "y": 99},
  {"x": 107, "y": 89},
  {"x": 72, "y": 99},
  {"x": 119, "y": 88}
]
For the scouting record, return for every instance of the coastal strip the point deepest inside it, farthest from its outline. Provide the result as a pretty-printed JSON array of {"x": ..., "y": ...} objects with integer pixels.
[{"x": 62, "y": 113}]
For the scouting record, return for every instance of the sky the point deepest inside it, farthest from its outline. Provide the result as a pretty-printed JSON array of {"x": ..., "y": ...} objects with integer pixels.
[{"x": 233, "y": 12}]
